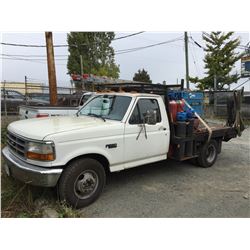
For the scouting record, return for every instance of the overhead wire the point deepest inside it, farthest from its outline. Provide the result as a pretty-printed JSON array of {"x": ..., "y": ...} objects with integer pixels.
[
  {"x": 124, "y": 51},
  {"x": 194, "y": 57},
  {"x": 122, "y": 37},
  {"x": 242, "y": 84},
  {"x": 117, "y": 52},
  {"x": 63, "y": 45},
  {"x": 200, "y": 46},
  {"x": 28, "y": 60},
  {"x": 196, "y": 68},
  {"x": 31, "y": 55}
]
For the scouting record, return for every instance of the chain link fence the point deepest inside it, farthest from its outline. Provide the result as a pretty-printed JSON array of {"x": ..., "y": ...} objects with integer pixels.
[
  {"x": 14, "y": 95},
  {"x": 215, "y": 104}
]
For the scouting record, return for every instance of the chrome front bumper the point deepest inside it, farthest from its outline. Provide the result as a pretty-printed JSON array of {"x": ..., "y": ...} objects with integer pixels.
[{"x": 28, "y": 173}]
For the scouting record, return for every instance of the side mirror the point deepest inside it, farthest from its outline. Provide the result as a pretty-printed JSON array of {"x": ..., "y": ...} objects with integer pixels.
[{"x": 150, "y": 117}]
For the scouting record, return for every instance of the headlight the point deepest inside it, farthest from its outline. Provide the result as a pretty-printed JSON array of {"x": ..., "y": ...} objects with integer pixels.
[{"x": 40, "y": 151}]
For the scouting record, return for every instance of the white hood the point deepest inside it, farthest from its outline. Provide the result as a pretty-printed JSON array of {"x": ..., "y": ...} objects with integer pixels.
[{"x": 38, "y": 128}]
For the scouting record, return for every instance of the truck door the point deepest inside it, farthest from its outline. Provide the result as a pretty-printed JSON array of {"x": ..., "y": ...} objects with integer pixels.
[{"x": 145, "y": 143}]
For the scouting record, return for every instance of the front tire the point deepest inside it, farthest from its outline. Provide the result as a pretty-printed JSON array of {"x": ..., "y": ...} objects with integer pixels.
[
  {"x": 82, "y": 182},
  {"x": 208, "y": 154}
]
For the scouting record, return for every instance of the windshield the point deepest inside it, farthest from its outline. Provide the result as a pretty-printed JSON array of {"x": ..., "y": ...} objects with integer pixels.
[{"x": 111, "y": 107}]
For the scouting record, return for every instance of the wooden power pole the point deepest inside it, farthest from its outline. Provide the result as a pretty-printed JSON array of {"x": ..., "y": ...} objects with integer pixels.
[
  {"x": 51, "y": 68},
  {"x": 81, "y": 66},
  {"x": 186, "y": 57}
]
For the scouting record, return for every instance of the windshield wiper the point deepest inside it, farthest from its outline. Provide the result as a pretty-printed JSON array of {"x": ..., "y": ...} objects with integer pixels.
[{"x": 98, "y": 116}]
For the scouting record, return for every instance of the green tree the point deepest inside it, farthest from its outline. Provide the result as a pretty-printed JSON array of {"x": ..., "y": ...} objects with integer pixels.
[
  {"x": 96, "y": 51},
  {"x": 142, "y": 76},
  {"x": 219, "y": 60}
]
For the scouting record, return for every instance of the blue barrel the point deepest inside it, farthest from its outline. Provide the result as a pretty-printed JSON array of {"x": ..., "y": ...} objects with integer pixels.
[
  {"x": 181, "y": 116},
  {"x": 195, "y": 100}
]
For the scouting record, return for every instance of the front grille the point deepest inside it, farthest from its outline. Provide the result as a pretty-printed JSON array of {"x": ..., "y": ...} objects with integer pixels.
[{"x": 16, "y": 144}]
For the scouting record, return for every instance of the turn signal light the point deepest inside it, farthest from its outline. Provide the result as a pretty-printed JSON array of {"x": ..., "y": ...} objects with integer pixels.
[{"x": 40, "y": 157}]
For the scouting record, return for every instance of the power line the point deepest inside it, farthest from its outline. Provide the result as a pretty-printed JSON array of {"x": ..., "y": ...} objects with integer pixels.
[
  {"x": 196, "y": 68},
  {"x": 28, "y": 60},
  {"x": 134, "y": 34},
  {"x": 195, "y": 57},
  {"x": 124, "y": 51},
  {"x": 242, "y": 84},
  {"x": 196, "y": 43},
  {"x": 32, "y": 45},
  {"x": 200, "y": 46},
  {"x": 21, "y": 59},
  {"x": 117, "y": 52},
  {"x": 31, "y": 55},
  {"x": 62, "y": 45}
]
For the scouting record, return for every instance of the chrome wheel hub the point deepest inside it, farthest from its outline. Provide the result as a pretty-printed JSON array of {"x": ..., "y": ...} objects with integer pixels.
[
  {"x": 86, "y": 184},
  {"x": 211, "y": 153}
]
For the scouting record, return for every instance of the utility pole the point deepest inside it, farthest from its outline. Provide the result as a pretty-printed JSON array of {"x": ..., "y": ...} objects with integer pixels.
[
  {"x": 186, "y": 57},
  {"x": 25, "y": 84},
  {"x": 51, "y": 68},
  {"x": 81, "y": 65},
  {"x": 215, "y": 94}
]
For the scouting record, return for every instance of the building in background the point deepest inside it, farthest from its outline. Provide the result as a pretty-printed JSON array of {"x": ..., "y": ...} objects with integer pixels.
[{"x": 20, "y": 87}]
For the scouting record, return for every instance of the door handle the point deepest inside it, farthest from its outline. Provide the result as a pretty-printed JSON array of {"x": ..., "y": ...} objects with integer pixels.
[{"x": 162, "y": 128}]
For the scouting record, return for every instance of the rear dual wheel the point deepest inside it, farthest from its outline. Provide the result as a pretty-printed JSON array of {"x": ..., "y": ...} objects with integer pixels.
[{"x": 208, "y": 154}]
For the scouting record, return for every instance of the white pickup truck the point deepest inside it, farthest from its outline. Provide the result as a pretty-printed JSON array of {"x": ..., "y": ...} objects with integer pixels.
[
  {"x": 111, "y": 132},
  {"x": 26, "y": 112}
]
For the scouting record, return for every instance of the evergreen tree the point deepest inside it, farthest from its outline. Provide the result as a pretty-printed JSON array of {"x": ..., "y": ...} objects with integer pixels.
[
  {"x": 96, "y": 51},
  {"x": 142, "y": 76},
  {"x": 219, "y": 60}
]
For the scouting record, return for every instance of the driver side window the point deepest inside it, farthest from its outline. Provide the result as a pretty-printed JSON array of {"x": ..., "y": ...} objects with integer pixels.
[
  {"x": 141, "y": 108},
  {"x": 135, "y": 116}
]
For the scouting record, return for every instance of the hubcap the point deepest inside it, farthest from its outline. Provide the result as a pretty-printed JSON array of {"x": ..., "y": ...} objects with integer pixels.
[
  {"x": 211, "y": 153},
  {"x": 86, "y": 184}
]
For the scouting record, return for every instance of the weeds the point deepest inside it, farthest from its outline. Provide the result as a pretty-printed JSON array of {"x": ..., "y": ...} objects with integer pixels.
[
  {"x": 3, "y": 135},
  {"x": 65, "y": 211},
  {"x": 17, "y": 199}
]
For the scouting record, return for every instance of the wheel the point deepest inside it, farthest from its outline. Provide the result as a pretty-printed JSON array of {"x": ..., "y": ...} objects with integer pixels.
[
  {"x": 208, "y": 154},
  {"x": 82, "y": 182}
]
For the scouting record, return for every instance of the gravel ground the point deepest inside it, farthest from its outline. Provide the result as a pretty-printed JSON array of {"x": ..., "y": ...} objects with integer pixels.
[{"x": 173, "y": 189}]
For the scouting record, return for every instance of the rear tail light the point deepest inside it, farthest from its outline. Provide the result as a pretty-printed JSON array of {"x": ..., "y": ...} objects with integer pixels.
[{"x": 42, "y": 115}]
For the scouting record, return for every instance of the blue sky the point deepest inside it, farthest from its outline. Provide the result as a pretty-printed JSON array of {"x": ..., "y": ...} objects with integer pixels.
[{"x": 164, "y": 62}]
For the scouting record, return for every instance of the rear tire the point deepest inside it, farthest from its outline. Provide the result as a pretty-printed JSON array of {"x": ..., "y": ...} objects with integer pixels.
[
  {"x": 82, "y": 182},
  {"x": 208, "y": 154}
]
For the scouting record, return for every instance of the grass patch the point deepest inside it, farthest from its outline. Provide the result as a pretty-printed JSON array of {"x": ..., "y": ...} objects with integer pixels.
[
  {"x": 3, "y": 136},
  {"x": 65, "y": 211},
  {"x": 18, "y": 199}
]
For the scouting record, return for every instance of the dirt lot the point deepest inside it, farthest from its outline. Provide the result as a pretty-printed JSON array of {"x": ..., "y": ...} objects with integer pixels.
[{"x": 164, "y": 189}]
